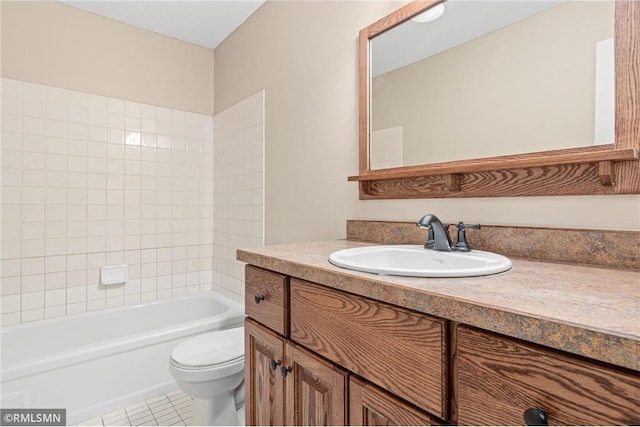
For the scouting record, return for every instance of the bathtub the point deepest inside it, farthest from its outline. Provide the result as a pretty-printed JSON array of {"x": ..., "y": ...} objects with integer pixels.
[{"x": 96, "y": 362}]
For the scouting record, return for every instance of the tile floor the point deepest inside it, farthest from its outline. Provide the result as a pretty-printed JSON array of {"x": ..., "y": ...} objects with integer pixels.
[{"x": 171, "y": 409}]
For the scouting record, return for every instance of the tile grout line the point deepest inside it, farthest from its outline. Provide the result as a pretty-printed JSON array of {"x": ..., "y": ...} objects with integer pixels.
[
  {"x": 145, "y": 408},
  {"x": 178, "y": 411}
]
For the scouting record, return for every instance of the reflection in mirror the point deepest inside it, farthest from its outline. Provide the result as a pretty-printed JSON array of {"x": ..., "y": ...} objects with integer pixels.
[{"x": 491, "y": 78}]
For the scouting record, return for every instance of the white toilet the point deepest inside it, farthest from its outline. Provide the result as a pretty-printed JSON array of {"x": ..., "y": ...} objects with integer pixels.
[{"x": 210, "y": 368}]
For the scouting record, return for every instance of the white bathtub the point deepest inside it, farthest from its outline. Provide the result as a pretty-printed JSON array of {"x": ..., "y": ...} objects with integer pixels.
[{"x": 96, "y": 362}]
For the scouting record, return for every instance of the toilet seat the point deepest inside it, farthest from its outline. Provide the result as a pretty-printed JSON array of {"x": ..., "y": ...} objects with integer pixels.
[
  {"x": 209, "y": 356},
  {"x": 210, "y": 349},
  {"x": 206, "y": 367}
]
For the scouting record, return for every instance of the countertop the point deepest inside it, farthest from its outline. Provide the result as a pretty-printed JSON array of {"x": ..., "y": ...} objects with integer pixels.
[{"x": 584, "y": 310}]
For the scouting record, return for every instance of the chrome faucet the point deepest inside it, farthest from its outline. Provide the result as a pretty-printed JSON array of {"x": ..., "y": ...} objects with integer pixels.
[{"x": 439, "y": 238}]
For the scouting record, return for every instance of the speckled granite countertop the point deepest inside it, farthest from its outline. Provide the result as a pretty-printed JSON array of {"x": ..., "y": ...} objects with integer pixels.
[{"x": 584, "y": 310}]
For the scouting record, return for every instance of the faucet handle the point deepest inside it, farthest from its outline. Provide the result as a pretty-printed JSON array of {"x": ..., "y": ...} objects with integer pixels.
[
  {"x": 462, "y": 226},
  {"x": 462, "y": 245}
]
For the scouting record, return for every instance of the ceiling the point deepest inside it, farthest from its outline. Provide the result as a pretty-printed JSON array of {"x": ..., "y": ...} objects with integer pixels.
[{"x": 205, "y": 23}]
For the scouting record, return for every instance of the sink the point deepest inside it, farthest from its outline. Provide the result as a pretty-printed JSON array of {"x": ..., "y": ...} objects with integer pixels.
[{"x": 416, "y": 261}]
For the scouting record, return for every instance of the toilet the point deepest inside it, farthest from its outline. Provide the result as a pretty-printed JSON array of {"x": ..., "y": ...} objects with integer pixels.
[{"x": 210, "y": 368}]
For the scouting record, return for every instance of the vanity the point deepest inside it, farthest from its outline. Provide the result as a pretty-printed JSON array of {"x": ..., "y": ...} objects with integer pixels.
[{"x": 545, "y": 342}]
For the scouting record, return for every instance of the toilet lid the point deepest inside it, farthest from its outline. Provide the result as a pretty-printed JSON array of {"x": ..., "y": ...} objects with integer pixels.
[{"x": 212, "y": 348}]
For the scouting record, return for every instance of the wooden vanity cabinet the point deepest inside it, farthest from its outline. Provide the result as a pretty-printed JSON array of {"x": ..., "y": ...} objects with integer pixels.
[{"x": 319, "y": 356}]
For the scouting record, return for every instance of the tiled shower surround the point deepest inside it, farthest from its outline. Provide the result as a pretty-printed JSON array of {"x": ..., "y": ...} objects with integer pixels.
[
  {"x": 89, "y": 181},
  {"x": 238, "y": 191}
]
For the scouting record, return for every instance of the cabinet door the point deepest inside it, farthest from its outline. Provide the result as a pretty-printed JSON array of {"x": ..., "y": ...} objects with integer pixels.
[
  {"x": 264, "y": 353},
  {"x": 315, "y": 390},
  {"x": 372, "y": 406}
]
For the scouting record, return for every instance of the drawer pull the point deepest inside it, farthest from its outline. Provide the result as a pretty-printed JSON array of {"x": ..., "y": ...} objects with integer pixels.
[
  {"x": 273, "y": 364},
  {"x": 535, "y": 417},
  {"x": 258, "y": 298},
  {"x": 284, "y": 371}
]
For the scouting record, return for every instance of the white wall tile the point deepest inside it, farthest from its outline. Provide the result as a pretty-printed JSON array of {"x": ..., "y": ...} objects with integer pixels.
[
  {"x": 89, "y": 180},
  {"x": 11, "y": 178},
  {"x": 98, "y": 304},
  {"x": 31, "y": 283},
  {"x": 77, "y": 115},
  {"x": 116, "y": 301},
  {"x": 34, "y": 107},
  {"x": 11, "y": 303},
  {"x": 77, "y": 278},
  {"x": 10, "y": 268},
  {"x": 55, "y": 263},
  {"x": 55, "y": 311},
  {"x": 32, "y": 300},
  {"x": 56, "y": 280},
  {"x": 32, "y": 315},
  {"x": 11, "y": 231},
  {"x": 30, "y": 90},
  {"x": 30, "y": 125},
  {"x": 8, "y": 319},
  {"x": 74, "y": 308},
  {"x": 238, "y": 183},
  {"x": 55, "y": 297},
  {"x": 99, "y": 103}
]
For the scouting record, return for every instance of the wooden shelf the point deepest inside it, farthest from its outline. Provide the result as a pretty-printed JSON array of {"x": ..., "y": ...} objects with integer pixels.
[{"x": 584, "y": 171}]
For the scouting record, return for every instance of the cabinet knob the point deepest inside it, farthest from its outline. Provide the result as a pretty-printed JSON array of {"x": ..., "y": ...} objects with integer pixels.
[
  {"x": 258, "y": 298},
  {"x": 273, "y": 364},
  {"x": 535, "y": 417},
  {"x": 284, "y": 371}
]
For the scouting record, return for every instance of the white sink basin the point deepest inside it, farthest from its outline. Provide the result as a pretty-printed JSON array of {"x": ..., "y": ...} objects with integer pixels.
[{"x": 416, "y": 261}]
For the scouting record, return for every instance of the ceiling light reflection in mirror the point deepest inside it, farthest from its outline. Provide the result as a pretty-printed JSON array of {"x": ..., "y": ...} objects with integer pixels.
[{"x": 491, "y": 78}]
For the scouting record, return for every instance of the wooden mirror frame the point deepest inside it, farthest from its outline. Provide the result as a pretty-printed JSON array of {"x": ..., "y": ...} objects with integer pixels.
[{"x": 597, "y": 170}]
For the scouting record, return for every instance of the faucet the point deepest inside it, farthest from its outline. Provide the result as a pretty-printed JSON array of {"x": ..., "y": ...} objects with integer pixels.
[
  {"x": 439, "y": 238},
  {"x": 438, "y": 234}
]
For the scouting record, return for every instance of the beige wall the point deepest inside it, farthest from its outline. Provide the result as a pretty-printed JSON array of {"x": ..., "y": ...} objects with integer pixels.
[
  {"x": 57, "y": 45},
  {"x": 304, "y": 54},
  {"x": 524, "y": 88}
]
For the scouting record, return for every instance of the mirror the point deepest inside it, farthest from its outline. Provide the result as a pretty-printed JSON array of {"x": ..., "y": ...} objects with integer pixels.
[
  {"x": 491, "y": 78},
  {"x": 564, "y": 125}
]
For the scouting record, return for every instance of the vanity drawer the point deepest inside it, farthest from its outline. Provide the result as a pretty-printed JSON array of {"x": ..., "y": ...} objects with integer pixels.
[
  {"x": 499, "y": 378},
  {"x": 266, "y": 298},
  {"x": 402, "y": 351}
]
